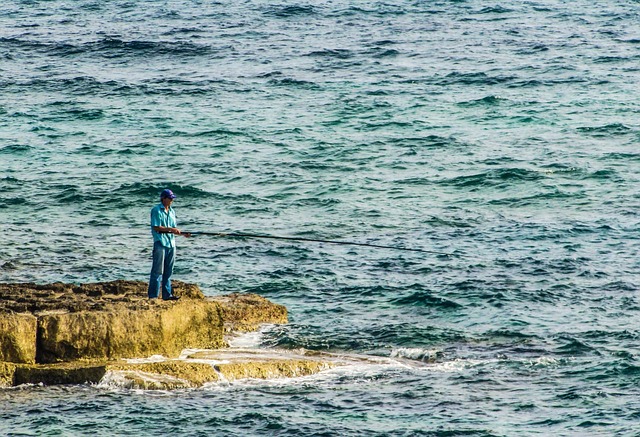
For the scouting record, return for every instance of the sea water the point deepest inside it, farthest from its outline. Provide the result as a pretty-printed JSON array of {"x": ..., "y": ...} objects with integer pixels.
[{"x": 502, "y": 137}]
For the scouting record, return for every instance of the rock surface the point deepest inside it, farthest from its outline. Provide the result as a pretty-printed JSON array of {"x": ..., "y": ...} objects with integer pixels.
[
  {"x": 191, "y": 372},
  {"x": 239, "y": 314},
  {"x": 42, "y": 298},
  {"x": 17, "y": 337},
  {"x": 66, "y": 333}
]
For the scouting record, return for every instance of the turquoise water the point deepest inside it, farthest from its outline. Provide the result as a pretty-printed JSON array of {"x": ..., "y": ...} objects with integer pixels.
[{"x": 505, "y": 135}]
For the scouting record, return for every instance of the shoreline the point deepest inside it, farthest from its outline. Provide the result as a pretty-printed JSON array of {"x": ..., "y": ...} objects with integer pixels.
[{"x": 72, "y": 334}]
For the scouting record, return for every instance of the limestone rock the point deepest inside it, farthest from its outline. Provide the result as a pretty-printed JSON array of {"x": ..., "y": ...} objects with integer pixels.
[
  {"x": 272, "y": 369},
  {"x": 78, "y": 372},
  {"x": 37, "y": 298},
  {"x": 18, "y": 338},
  {"x": 116, "y": 320},
  {"x": 246, "y": 312},
  {"x": 165, "y": 375},
  {"x": 121, "y": 332},
  {"x": 72, "y": 334},
  {"x": 160, "y": 375},
  {"x": 7, "y": 373},
  {"x": 264, "y": 364}
]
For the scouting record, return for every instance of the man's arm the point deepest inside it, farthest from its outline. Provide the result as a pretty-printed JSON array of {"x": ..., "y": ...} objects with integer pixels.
[{"x": 167, "y": 230}]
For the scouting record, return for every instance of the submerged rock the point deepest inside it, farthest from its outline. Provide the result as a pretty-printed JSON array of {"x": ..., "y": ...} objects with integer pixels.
[
  {"x": 160, "y": 375},
  {"x": 165, "y": 374},
  {"x": 260, "y": 364}
]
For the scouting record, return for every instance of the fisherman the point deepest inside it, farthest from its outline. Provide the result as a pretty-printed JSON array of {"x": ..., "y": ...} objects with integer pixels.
[{"x": 163, "y": 230}]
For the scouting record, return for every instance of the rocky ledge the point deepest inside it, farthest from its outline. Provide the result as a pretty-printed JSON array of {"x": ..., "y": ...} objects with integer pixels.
[{"x": 71, "y": 334}]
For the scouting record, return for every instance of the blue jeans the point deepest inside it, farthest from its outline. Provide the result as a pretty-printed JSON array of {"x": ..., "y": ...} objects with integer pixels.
[{"x": 161, "y": 271}]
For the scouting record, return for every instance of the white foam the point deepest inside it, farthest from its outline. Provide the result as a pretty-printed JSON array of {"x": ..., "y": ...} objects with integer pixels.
[
  {"x": 125, "y": 379},
  {"x": 151, "y": 359},
  {"x": 418, "y": 354},
  {"x": 456, "y": 365},
  {"x": 248, "y": 339},
  {"x": 348, "y": 367},
  {"x": 187, "y": 352},
  {"x": 544, "y": 361},
  {"x": 112, "y": 380}
]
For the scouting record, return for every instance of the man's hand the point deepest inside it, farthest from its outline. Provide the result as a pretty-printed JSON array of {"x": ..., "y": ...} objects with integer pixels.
[{"x": 179, "y": 232}]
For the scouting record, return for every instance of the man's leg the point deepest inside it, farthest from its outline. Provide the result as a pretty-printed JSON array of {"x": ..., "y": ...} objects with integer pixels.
[
  {"x": 156, "y": 270},
  {"x": 169, "y": 260}
]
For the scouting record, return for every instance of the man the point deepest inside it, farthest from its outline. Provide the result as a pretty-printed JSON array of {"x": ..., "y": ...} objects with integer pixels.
[{"x": 164, "y": 230}]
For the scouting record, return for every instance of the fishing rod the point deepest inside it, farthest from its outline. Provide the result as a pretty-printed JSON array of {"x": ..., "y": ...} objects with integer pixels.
[{"x": 315, "y": 240}]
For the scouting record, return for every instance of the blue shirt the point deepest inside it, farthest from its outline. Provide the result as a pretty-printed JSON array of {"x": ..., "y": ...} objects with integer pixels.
[{"x": 160, "y": 217}]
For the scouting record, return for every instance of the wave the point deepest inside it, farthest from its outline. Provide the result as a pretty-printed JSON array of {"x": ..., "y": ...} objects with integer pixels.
[
  {"x": 211, "y": 133},
  {"x": 391, "y": 125},
  {"x": 149, "y": 190},
  {"x": 136, "y": 149},
  {"x": 294, "y": 83},
  {"x": 383, "y": 9},
  {"x": 332, "y": 53},
  {"x": 534, "y": 83},
  {"x": 112, "y": 47},
  {"x": 623, "y": 156},
  {"x": 583, "y": 174},
  {"x": 570, "y": 345},
  {"x": 290, "y": 11},
  {"x": 485, "y": 101},
  {"x": 315, "y": 202},
  {"x": 508, "y": 334},
  {"x": 13, "y": 201},
  {"x": 68, "y": 194},
  {"x": 88, "y": 85},
  {"x": 604, "y": 174},
  {"x": 10, "y": 180},
  {"x": 381, "y": 52},
  {"x": 479, "y": 78},
  {"x": 428, "y": 141},
  {"x": 183, "y": 31},
  {"x": 426, "y": 299},
  {"x": 493, "y": 177},
  {"x": 74, "y": 194},
  {"x": 630, "y": 40},
  {"x": 613, "y": 129},
  {"x": 535, "y": 199},
  {"x": 79, "y": 85},
  {"x": 418, "y": 354},
  {"x": 16, "y": 149},
  {"x": 534, "y": 48},
  {"x": 614, "y": 59},
  {"x": 494, "y": 10},
  {"x": 79, "y": 114},
  {"x": 376, "y": 338}
]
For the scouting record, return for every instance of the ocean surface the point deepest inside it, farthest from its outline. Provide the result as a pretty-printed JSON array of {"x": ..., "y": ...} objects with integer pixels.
[{"x": 504, "y": 137}]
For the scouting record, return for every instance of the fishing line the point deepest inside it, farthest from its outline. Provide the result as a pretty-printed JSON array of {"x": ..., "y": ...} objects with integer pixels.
[{"x": 315, "y": 240}]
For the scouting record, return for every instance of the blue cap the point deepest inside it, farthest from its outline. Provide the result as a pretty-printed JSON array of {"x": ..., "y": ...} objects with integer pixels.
[{"x": 167, "y": 194}]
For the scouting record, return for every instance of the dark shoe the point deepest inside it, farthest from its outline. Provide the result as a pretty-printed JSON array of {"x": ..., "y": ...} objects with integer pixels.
[{"x": 172, "y": 298}]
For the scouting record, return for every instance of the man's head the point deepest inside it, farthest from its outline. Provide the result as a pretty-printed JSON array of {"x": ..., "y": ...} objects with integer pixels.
[
  {"x": 166, "y": 197},
  {"x": 167, "y": 194}
]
